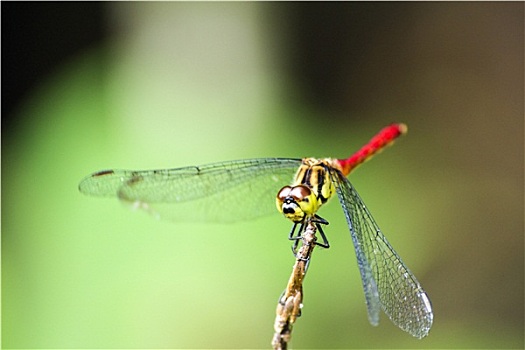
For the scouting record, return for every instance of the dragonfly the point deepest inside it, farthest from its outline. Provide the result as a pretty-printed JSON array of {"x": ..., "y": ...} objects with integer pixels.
[{"x": 243, "y": 190}]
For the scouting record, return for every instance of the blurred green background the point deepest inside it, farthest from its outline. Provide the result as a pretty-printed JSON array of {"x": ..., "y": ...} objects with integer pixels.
[{"x": 175, "y": 84}]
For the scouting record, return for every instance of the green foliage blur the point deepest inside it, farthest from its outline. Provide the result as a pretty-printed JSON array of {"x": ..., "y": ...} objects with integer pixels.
[{"x": 194, "y": 83}]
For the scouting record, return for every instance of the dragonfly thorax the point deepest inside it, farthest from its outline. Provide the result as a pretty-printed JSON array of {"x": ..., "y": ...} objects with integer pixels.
[{"x": 311, "y": 188}]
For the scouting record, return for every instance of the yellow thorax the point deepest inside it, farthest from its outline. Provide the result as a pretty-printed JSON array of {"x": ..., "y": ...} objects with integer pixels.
[{"x": 312, "y": 187}]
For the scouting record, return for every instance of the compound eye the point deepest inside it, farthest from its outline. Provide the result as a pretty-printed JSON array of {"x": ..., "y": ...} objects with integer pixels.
[
  {"x": 283, "y": 193},
  {"x": 300, "y": 192}
]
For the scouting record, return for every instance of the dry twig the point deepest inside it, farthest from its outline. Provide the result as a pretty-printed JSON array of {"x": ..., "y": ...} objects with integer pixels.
[{"x": 290, "y": 302}]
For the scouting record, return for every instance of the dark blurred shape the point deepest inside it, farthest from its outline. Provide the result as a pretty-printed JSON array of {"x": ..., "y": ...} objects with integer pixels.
[
  {"x": 331, "y": 44},
  {"x": 36, "y": 38}
]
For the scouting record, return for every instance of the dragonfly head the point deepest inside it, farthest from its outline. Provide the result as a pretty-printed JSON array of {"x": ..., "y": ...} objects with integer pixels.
[{"x": 296, "y": 202}]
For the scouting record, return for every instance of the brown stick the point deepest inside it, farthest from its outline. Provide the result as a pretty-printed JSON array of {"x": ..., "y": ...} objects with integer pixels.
[{"x": 290, "y": 303}]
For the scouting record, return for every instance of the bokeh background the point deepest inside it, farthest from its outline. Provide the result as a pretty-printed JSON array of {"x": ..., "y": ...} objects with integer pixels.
[{"x": 91, "y": 86}]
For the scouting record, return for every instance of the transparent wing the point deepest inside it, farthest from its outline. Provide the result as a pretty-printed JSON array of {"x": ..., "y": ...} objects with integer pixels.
[
  {"x": 387, "y": 282},
  {"x": 219, "y": 192}
]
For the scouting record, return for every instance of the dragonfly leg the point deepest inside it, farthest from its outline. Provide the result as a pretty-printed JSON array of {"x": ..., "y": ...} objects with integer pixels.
[
  {"x": 307, "y": 263},
  {"x": 297, "y": 238},
  {"x": 318, "y": 222}
]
